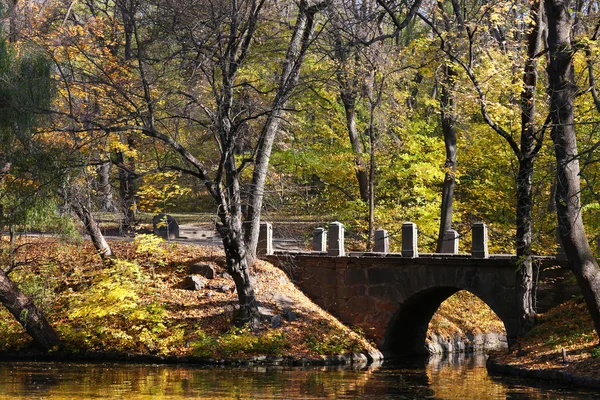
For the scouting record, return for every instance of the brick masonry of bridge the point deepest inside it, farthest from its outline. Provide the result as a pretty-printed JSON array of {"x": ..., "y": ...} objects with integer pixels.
[{"x": 393, "y": 298}]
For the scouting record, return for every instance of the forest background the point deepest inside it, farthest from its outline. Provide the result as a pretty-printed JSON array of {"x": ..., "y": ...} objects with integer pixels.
[{"x": 372, "y": 113}]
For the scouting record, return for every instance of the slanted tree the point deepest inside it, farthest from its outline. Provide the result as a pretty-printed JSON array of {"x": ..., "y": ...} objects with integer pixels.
[{"x": 562, "y": 90}]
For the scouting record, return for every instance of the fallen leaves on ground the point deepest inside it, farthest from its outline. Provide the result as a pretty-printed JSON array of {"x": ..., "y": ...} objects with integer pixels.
[
  {"x": 68, "y": 269},
  {"x": 569, "y": 327},
  {"x": 464, "y": 313}
]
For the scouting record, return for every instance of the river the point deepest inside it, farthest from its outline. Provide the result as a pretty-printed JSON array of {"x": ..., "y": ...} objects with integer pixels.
[{"x": 460, "y": 378}]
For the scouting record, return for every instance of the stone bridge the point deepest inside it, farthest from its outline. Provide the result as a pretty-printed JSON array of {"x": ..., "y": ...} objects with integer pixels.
[{"x": 393, "y": 296}]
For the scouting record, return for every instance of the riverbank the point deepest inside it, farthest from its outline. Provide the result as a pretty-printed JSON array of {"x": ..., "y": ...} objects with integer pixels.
[
  {"x": 175, "y": 303},
  {"x": 166, "y": 302},
  {"x": 562, "y": 347}
]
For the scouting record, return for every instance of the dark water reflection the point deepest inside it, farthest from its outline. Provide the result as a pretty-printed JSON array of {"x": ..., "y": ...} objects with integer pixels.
[{"x": 459, "y": 378}]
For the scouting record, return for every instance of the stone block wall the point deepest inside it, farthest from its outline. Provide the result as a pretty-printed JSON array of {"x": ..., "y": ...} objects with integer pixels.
[{"x": 369, "y": 291}]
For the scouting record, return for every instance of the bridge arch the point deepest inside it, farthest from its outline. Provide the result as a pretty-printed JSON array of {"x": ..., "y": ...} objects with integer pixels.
[{"x": 407, "y": 330}]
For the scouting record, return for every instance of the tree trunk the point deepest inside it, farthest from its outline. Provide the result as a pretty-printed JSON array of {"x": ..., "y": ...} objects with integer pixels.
[
  {"x": 232, "y": 233},
  {"x": 104, "y": 189},
  {"x": 524, "y": 274},
  {"x": 127, "y": 189},
  {"x": 93, "y": 229},
  {"x": 561, "y": 88},
  {"x": 237, "y": 265},
  {"x": 362, "y": 177},
  {"x": 71, "y": 196},
  {"x": 372, "y": 167},
  {"x": 296, "y": 52},
  {"x": 28, "y": 315},
  {"x": 448, "y": 115}
]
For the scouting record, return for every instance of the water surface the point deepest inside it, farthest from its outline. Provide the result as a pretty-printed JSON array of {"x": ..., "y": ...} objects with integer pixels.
[{"x": 460, "y": 378}]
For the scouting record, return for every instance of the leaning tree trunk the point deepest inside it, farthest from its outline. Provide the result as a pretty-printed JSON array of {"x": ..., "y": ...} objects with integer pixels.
[
  {"x": 83, "y": 212},
  {"x": 449, "y": 130},
  {"x": 92, "y": 228},
  {"x": 25, "y": 311},
  {"x": 296, "y": 52},
  {"x": 561, "y": 88}
]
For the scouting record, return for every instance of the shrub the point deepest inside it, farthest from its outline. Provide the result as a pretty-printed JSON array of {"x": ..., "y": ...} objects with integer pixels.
[
  {"x": 333, "y": 343},
  {"x": 239, "y": 342},
  {"x": 109, "y": 315}
]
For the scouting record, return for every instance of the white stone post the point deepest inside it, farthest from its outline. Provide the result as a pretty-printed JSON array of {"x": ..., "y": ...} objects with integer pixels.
[
  {"x": 409, "y": 240},
  {"x": 265, "y": 240},
  {"x": 319, "y": 242},
  {"x": 450, "y": 242},
  {"x": 382, "y": 241},
  {"x": 336, "y": 239},
  {"x": 479, "y": 245}
]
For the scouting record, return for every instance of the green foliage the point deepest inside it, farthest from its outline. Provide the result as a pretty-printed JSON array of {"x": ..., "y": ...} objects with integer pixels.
[
  {"x": 159, "y": 191},
  {"x": 27, "y": 87},
  {"x": 595, "y": 352},
  {"x": 109, "y": 314},
  {"x": 239, "y": 342},
  {"x": 205, "y": 345},
  {"x": 334, "y": 343},
  {"x": 11, "y": 331},
  {"x": 39, "y": 284}
]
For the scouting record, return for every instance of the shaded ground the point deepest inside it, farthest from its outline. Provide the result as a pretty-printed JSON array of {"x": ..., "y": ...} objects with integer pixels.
[{"x": 569, "y": 327}]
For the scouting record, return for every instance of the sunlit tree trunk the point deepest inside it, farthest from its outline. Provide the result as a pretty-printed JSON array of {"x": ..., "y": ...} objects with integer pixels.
[
  {"x": 74, "y": 198},
  {"x": 104, "y": 188},
  {"x": 297, "y": 48},
  {"x": 349, "y": 100}
]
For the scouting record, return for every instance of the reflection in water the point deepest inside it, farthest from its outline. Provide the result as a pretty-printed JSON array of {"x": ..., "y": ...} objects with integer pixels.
[
  {"x": 441, "y": 378},
  {"x": 459, "y": 376}
]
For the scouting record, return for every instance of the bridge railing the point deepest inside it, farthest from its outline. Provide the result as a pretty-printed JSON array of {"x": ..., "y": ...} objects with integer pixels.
[{"x": 331, "y": 241}]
